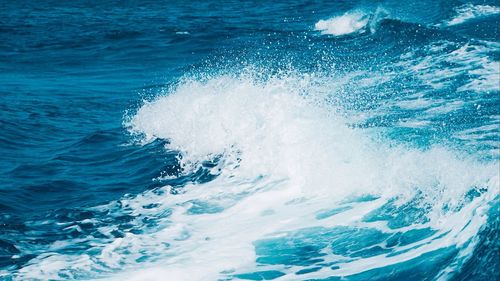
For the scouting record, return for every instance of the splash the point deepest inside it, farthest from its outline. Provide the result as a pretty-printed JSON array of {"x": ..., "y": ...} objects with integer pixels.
[
  {"x": 292, "y": 190},
  {"x": 292, "y": 174},
  {"x": 347, "y": 165}
]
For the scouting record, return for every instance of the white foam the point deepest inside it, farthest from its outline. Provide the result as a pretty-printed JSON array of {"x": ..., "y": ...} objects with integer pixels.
[
  {"x": 306, "y": 156},
  {"x": 469, "y": 11},
  {"x": 285, "y": 157},
  {"x": 347, "y": 23}
]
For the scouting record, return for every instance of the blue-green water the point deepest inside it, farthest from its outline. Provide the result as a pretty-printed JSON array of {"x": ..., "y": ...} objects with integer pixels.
[{"x": 253, "y": 140}]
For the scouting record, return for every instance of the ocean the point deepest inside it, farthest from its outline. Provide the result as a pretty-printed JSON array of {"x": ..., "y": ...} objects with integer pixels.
[{"x": 249, "y": 140}]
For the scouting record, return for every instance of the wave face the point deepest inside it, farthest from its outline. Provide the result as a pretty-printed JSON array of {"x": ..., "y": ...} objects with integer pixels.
[{"x": 296, "y": 141}]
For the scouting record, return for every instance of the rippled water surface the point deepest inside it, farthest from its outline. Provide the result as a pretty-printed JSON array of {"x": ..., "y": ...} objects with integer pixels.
[{"x": 249, "y": 140}]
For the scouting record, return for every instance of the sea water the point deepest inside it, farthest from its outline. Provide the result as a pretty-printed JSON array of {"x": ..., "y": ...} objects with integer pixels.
[{"x": 249, "y": 140}]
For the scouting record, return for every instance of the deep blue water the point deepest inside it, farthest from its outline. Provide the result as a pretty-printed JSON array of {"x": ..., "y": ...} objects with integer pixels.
[{"x": 253, "y": 140}]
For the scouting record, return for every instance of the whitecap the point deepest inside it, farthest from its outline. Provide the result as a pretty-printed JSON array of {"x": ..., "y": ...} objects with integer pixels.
[
  {"x": 284, "y": 158},
  {"x": 347, "y": 23},
  {"x": 468, "y": 12}
]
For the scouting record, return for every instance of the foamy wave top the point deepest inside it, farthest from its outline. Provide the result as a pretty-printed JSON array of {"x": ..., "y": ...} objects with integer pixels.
[
  {"x": 347, "y": 23},
  {"x": 469, "y": 11},
  {"x": 293, "y": 159},
  {"x": 287, "y": 165}
]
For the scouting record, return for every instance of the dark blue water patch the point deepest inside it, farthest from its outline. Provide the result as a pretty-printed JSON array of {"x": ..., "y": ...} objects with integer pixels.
[{"x": 97, "y": 168}]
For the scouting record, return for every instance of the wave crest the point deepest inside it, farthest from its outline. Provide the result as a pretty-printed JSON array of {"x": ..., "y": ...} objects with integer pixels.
[
  {"x": 347, "y": 23},
  {"x": 468, "y": 12}
]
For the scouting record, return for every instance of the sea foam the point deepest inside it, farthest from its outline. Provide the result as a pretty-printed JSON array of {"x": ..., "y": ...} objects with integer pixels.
[
  {"x": 286, "y": 158},
  {"x": 288, "y": 168},
  {"x": 469, "y": 11},
  {"x": 347, "y": 23}
]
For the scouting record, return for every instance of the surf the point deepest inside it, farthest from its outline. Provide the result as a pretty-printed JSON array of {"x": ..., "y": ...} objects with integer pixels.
[
  {"x": 296, "y": 142},
  {"x": 289, "y": 189},
  {"x": 288, "y": 169}
]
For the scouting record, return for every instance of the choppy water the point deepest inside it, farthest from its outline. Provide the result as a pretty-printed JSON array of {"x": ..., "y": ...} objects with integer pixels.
[{"x": 255, "y": 140}]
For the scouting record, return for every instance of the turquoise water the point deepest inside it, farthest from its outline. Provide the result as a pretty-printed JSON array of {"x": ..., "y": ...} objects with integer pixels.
[{"x": 293, "y": 140}]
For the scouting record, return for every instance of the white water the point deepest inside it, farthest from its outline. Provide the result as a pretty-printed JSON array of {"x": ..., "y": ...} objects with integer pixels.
[
  {"x": 347, "y": 23},
  {"x": 309, "y": 160},
  {"x": 286, "y": 156},
  {"x": 468, "y": 12}
]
